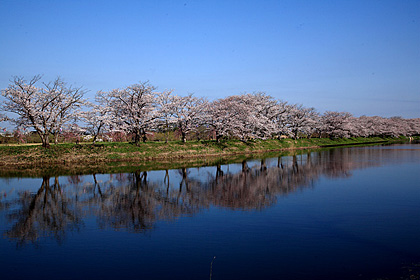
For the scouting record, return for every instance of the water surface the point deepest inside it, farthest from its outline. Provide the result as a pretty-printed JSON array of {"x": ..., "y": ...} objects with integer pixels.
[{"x": 348, "y": 213}]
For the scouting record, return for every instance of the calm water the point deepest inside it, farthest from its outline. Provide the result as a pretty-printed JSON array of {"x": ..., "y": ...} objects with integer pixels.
[{"x": 350, "y": 213}]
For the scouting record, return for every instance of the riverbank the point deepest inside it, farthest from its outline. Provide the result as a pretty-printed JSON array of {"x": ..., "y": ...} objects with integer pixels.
[{"x": 86, "y": 157}]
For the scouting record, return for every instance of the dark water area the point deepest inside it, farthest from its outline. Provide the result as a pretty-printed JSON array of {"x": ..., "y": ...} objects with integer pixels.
[{"x": 345, "y": 213}]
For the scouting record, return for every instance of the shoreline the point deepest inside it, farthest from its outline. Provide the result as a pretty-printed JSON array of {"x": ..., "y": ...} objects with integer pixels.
[{"x": 33, "y": 160}]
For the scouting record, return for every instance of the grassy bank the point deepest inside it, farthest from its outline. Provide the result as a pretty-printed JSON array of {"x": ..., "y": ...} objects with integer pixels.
[{"x": 118, "y": 157}]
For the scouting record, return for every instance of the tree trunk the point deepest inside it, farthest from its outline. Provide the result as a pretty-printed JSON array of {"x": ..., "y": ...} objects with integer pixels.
[
  {"x": 295, "y": 165},
  {"x": 245, "y": 167},
  {"x": 96, "y": 134},
  {"x": 167, "y": 132},
  {"x": 184, "y": 180},
  {"x": 136, "y": 137},
  {"x": 44, "y": 139},
  {"x": 219, "y": 171},
  {"x": 279, "y": 163},
  {"x": 143, "y": 135},
  {"x": 263, "y": 165},
  {"x": 166, "y": 181}
]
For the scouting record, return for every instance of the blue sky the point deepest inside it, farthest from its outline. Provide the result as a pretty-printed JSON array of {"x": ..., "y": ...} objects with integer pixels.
[{"x": 362, "y": 57}]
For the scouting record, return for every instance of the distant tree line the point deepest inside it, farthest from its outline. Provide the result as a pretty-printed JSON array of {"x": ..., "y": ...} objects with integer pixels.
[{"x": 55, "y": 108}]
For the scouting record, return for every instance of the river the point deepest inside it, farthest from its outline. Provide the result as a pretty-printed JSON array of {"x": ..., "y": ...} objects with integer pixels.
[{"x": 343, "y": 213}]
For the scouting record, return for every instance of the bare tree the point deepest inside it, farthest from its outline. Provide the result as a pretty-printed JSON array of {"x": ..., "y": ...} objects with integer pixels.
[{"x": 46, "y": 109}]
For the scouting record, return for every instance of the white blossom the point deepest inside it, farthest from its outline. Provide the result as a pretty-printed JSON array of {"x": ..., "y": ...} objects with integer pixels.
[{"x": 46, "y": 109}]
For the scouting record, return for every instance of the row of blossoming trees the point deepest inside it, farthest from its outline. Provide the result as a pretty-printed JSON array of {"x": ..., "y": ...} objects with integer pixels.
[{"x": 139, "y": 110}]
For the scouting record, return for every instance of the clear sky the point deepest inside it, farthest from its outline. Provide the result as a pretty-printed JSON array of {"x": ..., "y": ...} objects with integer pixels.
[{"x": 362, "y": 57}]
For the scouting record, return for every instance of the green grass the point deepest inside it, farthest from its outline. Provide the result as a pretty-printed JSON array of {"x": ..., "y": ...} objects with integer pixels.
[{"x": 69, "y": 157}]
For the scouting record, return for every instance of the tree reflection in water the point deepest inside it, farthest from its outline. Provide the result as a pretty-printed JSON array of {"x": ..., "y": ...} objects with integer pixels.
[
  {"x": 135, "y": 203},
  {"x": 49, "y": 212}
]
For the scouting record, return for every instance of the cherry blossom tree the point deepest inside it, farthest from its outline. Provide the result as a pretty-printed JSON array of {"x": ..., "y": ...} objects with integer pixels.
[
  {"x": 69, "y": 105},
  {"x": 281, "y": 117},
  {"x": 315, "y": 127},
  {"x": 414, "y": 127},
  {"x": 46, "y": 108},
  {"x": 133, "y": 109},
  {"x": 164, "y": 111},
  {"x": 249, "y": 120},
  {"x": 189, "y": 112},
  {"x": 397, "y": 126},
  {"x": 262, "y": 111},
  {"x": 301, "y": 120},
  {"x": 336, "y": 124},
  {"x": 226, "y": 117},
  {"x": 246, "y": 116},
  {"x": 138, "y": 110},
  {"x": 376, "y": 126},
  {"x": 384, "y": 127},
  {"x": 99, "y": 116},
  {"x": 363, "y": 126}
]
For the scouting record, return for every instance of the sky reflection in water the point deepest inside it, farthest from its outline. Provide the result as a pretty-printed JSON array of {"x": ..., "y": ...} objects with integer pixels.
[{"x": 351, "y": 213}]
